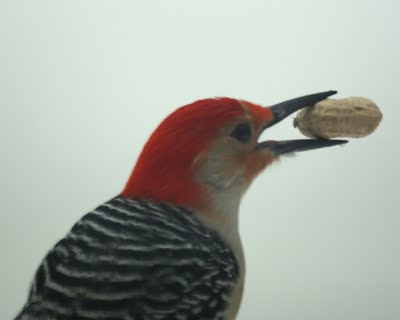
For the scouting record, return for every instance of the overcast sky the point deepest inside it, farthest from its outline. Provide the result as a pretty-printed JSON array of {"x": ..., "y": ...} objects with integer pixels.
[{"x": 84, "y": 83}]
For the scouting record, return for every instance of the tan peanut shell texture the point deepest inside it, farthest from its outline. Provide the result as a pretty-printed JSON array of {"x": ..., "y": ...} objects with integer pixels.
[{"x": 353, "y": 117}]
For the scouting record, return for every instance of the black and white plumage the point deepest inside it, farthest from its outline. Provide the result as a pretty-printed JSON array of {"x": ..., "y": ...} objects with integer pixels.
[{"x": 134, "y": 260}]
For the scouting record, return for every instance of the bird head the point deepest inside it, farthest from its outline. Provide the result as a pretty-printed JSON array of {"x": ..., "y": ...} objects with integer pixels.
[{"x": 206, "y": 154}]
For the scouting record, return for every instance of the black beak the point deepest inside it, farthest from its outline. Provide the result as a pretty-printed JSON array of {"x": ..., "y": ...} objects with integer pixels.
[{"x": 281, "y": 110}]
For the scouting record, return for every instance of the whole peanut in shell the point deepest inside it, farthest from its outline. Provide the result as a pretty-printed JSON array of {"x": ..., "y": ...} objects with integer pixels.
[{"x": 353, "y": 117}]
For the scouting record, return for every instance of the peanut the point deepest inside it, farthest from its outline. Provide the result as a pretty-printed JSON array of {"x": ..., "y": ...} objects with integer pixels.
[{"x": 353, "y": 117}]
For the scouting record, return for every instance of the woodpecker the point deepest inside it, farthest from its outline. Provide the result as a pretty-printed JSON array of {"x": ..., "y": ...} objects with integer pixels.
[{"x": 168, "y": 247}]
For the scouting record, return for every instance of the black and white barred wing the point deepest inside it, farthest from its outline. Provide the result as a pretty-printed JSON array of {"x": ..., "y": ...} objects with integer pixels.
[{"x": 134, "y": 260}]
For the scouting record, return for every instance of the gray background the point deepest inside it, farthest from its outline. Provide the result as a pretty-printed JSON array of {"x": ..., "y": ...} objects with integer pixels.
[{"x": 84, "y": 83}]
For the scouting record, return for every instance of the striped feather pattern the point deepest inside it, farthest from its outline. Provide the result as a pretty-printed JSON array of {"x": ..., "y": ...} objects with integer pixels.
[{"x": 134, "y": 260}]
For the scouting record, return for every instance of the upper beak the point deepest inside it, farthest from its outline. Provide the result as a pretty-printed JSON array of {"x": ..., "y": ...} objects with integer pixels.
[{"x": 281, "y": 110}]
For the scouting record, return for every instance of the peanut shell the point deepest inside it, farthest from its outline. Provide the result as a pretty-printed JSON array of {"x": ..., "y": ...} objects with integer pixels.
[{"x": 353, "y": 117}]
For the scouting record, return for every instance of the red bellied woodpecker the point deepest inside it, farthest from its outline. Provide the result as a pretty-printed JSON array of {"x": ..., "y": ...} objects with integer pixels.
[{"x": 168, "y": 247}]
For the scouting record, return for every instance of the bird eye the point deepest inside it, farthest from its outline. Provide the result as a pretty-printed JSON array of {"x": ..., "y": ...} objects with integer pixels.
[{"x": 242, "y": 132}]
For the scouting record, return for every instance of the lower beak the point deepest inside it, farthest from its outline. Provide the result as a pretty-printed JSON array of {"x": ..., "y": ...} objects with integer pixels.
[
  {"x": 290, "y": 146},
  {"x": 281, "y": 111}
]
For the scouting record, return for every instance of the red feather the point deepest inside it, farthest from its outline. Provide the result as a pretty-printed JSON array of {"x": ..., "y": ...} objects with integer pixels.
[{"x": 165, "y": 170}]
